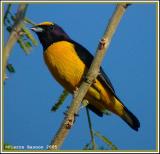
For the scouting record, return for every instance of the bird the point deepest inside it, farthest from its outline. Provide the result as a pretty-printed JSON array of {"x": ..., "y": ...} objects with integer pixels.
[{"x": 68, "y": 62}]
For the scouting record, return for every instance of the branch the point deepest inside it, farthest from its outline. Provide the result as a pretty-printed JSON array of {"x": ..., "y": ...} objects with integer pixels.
[
  {"x": 91, "y": 130},
  {"x": 14, "y": 36},
  {"x": 90, "y": 77},
  {"x": 7, "y": 12}
]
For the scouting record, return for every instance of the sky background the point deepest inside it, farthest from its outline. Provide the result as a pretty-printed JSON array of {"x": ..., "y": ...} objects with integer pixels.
[{"x": 130, "y": 63}]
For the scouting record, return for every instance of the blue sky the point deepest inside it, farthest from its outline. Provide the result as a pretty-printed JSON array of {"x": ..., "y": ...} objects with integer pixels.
[{"x": 130, "y": 63}]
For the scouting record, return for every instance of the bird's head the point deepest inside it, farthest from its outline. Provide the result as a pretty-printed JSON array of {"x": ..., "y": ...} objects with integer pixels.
[{"x": 49, "y": 33}]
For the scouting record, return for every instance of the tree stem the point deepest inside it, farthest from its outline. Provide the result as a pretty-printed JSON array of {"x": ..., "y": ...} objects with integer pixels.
[
  {"x": 14, "y": 36},
  {"x": 91, "y": 130},
  {"x": 90, "y": 77}
]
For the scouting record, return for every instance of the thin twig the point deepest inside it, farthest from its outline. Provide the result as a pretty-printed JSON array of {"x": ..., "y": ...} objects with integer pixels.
[
  {"x": 7, "y": 12},
  {"x": 91, "y": 130},
  {"x": 14, "y": 35},
  {"x": 90, "y": 77}
]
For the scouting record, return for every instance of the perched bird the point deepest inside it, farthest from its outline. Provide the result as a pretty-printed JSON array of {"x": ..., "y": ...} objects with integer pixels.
[{"x": 68, "y": 62}]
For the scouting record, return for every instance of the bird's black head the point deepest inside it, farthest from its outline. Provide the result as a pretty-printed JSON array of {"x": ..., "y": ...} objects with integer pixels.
[{"x": 49, "y": 33}]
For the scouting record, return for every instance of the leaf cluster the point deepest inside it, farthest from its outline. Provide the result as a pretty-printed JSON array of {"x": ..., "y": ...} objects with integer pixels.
[{"x": 26, "y": 40}]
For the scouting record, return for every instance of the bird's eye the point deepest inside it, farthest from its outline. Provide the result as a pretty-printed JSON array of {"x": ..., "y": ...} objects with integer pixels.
[{"x": 51, "y": 27}]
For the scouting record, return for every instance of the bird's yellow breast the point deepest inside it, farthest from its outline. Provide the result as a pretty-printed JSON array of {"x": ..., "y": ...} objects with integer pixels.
[
  {"x": 68, "y": 69},
  {"x": 64, "y": 64}
]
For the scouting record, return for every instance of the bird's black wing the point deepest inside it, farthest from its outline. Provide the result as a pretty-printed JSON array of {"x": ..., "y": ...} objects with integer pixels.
[{"x": 87, "y": 58}]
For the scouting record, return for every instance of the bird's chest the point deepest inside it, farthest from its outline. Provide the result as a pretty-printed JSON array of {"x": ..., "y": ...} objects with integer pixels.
[{"x": 64, "y": 64}]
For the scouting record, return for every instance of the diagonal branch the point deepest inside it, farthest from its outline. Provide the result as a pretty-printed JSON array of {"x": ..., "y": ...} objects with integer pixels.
[
  {"x": 90, "y": 77},
  {"x": 14, "y": 35}
]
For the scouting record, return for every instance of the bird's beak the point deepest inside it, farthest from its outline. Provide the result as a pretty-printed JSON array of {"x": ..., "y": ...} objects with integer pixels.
[{"x": 37, "y": 29}]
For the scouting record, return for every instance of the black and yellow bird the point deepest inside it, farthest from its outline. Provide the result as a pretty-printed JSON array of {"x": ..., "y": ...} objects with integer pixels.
[{"x": 68, "y": 62}]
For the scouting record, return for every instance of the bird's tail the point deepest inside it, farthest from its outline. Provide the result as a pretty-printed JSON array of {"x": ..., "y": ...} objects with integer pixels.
[
  {"x": 119, "y": 109},
  {"x": 130, "y": 119}
]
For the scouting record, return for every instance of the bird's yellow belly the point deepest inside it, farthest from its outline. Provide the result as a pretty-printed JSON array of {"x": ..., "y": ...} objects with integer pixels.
[
  {"x": 68, "y": 69},
  {"x": 64, "y": 64}
]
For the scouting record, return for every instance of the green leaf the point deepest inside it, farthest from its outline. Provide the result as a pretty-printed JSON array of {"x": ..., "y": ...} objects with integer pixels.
[
  {"x": 8, "y": 21},
  {"x": 9, "y": 28},
  {"x": 106, "y": 140},
  {"x": 29, "y": 35},
  {"x": 10, "y": 68},
  {"x": 60, "y": 100},
  {"x": 12, "y": 17},
  {"x": 27, "y": 20},
  {"x": 28, "y": 44},
  {"x": 7, "y": 12},
  {"x": 23, "y": 45}
]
